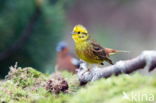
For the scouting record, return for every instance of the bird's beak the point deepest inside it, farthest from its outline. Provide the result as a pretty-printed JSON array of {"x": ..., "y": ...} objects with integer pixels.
[{"x": 72, "y": 33}]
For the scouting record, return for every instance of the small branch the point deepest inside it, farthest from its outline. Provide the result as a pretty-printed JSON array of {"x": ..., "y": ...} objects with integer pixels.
[{"x": 147, "y": 59}]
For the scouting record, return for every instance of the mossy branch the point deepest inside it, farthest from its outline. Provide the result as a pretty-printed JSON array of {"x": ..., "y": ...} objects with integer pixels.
[{"x": 147, "y": 59}]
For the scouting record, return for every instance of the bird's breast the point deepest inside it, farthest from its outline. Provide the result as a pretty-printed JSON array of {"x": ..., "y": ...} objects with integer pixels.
[{"x": 83, "y": 51}]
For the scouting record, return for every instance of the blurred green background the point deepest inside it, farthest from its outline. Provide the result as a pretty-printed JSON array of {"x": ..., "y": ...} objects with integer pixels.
[{"x": 30, "y": 29}]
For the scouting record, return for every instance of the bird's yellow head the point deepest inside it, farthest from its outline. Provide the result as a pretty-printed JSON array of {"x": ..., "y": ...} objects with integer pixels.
[{"x": 80, "y": 34}]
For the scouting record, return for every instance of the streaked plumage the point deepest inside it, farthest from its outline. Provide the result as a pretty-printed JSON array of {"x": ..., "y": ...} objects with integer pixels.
[{"x": 88, "y": 49}]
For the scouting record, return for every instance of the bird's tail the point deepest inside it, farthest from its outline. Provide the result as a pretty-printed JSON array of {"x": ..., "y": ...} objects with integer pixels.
[{"x": 113, "y": 51}]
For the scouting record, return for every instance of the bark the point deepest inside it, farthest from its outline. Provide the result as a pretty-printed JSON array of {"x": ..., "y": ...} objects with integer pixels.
[{"x": 147, "y": 59}]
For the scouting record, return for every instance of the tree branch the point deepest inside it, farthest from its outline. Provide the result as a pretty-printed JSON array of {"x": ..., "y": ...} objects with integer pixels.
[{"x": 147, "y": 59}]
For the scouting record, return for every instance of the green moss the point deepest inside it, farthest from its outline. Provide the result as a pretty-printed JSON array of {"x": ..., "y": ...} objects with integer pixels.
[
  {"x": 111, "y": 90},
  {"x": 72, "y": 81},
  {"x": 25, "y": 77},
  {"x": 10, "y": 92},
  {"x": 27, "y": 86}
]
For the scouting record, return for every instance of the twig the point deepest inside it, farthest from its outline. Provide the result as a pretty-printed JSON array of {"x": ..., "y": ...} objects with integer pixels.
[{"x": 147, "y": 59}]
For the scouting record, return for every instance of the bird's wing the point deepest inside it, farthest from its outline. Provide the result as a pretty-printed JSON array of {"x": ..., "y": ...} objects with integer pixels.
[{"x": 98, "y": 51}]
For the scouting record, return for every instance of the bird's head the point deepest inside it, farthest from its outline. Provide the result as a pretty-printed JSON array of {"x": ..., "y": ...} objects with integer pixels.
[
  {"x": 61, "y": 46},
  {"x": 80, "y": 33}
]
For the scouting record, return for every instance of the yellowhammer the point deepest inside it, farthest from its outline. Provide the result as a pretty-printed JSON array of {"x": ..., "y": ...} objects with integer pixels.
[{"x": 88, "y": 50}]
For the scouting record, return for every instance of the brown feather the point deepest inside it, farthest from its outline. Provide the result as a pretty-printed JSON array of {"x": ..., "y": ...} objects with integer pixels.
[{"x": 98, "y": 51}]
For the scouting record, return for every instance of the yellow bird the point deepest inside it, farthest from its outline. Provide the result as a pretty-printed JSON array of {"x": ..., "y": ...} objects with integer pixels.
[{"x": 88, "y": 50}]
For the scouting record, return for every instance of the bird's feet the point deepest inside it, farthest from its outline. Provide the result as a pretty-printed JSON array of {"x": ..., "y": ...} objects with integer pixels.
[{"x": 109, "y": 61}]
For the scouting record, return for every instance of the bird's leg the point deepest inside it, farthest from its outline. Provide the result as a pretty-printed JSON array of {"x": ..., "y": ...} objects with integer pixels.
[
  {"x": 85, "y": 66},
  {"x": 100, "y": 65},
  {"x": 109, "y": 61},
  {"x": 90, "y": 66}
]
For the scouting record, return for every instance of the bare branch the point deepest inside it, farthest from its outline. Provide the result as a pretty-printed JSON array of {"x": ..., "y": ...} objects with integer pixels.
[{"x": 147, "y": 59}]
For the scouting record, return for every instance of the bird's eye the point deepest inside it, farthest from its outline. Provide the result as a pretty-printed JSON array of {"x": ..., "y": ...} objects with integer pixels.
[{"x": 78, "y": 32}]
